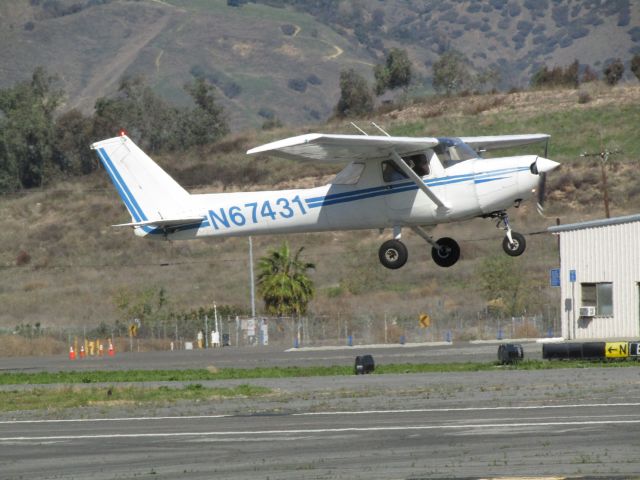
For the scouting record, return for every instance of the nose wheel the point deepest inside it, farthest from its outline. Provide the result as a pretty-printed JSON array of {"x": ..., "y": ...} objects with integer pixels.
[
  {"x": 393, "y": 254},
  {"x": 513, "y": 243}
]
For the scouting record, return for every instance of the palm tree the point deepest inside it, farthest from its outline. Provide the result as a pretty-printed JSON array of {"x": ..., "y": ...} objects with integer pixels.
[{"x": 283, "y": 282}]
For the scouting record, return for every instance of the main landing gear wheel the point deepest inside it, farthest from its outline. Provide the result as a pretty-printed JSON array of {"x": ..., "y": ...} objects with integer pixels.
[
  {"x": 393, "y": 254},
  {"x": 448, "y": 253},
  {"x": 517, "y": 247}
]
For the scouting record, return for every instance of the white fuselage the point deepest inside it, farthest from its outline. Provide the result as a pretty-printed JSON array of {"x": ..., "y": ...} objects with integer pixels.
[{"x": 469, "y": 188}]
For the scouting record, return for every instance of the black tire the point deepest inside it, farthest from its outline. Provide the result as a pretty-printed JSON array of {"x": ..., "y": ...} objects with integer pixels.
[
  {"x": 448, "y": 253},
  {"x": 393, "y": 254},
  {"x": 516, "y": 248}
]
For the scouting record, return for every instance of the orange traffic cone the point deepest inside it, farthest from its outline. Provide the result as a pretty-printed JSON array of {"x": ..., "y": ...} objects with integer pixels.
[
  {"x": 72, "y": 354},
  {"x": 100, "y": 350},
  {"x": 112, "y": 351},
  {"x": 82, "y": 353}
]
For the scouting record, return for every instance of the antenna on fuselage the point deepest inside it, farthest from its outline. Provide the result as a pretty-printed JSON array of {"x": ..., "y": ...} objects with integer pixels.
[
  {"x": 359, "y": 129},
  {"x": 380, "y": 128}
]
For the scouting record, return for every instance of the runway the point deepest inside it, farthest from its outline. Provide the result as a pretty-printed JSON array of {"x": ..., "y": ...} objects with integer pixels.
[
  {"x": 573, "y": 422},
  {"x": 536, "y": 440}
]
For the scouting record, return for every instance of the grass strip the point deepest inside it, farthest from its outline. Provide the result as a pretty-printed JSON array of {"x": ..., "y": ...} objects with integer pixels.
[
  {"x": 189, "y": 375},
  {"x": 113, "y": 396}
]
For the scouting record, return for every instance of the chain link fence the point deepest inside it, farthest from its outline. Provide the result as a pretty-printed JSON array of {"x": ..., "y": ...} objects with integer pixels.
[{"x": 286, "y": 332}]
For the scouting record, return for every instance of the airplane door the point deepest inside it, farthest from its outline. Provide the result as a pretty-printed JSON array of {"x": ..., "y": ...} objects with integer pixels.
[
  {"x": 402, "y": 195},
  {"x": 400, "y": 192}
]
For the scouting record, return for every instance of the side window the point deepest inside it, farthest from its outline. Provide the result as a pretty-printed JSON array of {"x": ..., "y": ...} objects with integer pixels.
[
  {"x": 391, "y": 173},
  {"x": 349, "y": 175},
  {"x": 418, "y": 163}
]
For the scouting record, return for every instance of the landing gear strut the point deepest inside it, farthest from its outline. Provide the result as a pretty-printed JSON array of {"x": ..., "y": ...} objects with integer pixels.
[{"x": 513, "y": 243}]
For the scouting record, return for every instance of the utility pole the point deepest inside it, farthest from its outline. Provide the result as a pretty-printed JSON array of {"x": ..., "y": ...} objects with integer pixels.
[
  {"x": 604, "y": 155},
  {"x": 251, "y": 280},
  {"x": 206, "y": 331}
]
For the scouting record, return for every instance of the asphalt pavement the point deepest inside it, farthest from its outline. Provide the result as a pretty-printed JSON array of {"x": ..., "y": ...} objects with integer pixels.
[
  {"x": 532, "y": 440},
  {"x": 260, "y": 356},
  {"x": 502, "y": 423}
]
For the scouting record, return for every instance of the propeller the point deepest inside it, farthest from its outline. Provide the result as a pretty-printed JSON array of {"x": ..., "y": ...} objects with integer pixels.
[{"x": 542, "y": 184}]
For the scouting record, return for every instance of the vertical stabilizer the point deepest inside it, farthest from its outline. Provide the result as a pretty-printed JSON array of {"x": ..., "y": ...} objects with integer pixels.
[{"x": 151, "y": 196}]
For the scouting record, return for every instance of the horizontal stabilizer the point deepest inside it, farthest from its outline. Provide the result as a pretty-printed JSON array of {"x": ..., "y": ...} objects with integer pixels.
[{"x": 164, "y": 222}]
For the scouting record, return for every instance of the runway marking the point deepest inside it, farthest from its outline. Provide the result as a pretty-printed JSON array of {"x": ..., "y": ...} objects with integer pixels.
[
  {"x": 118, "y": 419},
  {"x": 348, "y": 412},
  {"x": 470, "y": 409},
  {"x": 470, "y": 426}
]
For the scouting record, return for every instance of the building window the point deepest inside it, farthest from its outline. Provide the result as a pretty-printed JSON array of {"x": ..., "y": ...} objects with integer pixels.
[{"x": 599, "y": 295}]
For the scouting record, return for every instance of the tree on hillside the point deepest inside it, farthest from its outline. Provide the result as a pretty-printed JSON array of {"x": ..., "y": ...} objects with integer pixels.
[
  {"x": 73, "y": 135},
  {"x": 635, "y": 65},
  {"x": 355, "y": 96},
  {"x": 613, "y": 71},
  {"x": 283, "y": 282},
  {"x": 206, "y": 123},
  {"x": 451, "y": 73},
  {"x": 27, "y": 131},
  {"x": 147, "y": 119},
  {"x": 557, "y": 76},
  {"x": 395, "y": 73}
]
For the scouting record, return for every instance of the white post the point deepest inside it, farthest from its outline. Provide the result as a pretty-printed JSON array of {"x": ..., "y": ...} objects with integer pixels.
[
  {"x": 385, "y": 327},
  {"x": 215, "y": 316}
]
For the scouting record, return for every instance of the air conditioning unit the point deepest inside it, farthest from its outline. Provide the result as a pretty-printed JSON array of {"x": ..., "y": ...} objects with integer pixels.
[{"x": 587, "y": 311}]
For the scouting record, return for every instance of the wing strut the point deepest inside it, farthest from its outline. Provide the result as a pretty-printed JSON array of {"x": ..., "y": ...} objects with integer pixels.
[{"x": 402, "y": 165}]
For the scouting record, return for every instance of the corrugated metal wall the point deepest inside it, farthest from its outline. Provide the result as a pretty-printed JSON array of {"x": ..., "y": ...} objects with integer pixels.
[{"x": 602, "y": 254}]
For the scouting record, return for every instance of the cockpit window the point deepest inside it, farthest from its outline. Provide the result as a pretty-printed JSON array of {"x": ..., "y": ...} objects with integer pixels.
[
  {"x": 452, "y": 150},
  {"x": 418, "y": 163}
]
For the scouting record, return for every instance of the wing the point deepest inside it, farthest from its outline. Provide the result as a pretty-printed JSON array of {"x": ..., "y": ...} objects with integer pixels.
[
  {"x": 495, "y": 142},
  {"x": 343, "y": 148}
]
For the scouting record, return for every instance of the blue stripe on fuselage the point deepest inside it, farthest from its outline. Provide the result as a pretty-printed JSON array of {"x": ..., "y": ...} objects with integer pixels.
[{"x": 344, "y": 197}]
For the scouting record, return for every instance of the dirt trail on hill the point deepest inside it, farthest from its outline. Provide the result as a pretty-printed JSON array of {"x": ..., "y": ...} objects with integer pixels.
[{"x": 109, "y": 74}]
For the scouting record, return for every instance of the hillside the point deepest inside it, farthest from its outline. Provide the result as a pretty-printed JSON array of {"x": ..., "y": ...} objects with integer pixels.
[
  {"x": 282, "y": 58},
  {"x": 77, "y": 265}
]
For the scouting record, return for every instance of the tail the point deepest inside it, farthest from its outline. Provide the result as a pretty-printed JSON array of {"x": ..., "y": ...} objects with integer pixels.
[{"x": 156, "y": 202}]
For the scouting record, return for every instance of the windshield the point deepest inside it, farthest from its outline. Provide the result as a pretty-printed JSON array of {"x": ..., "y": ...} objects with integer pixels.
[{"x": 452, "y": 150}]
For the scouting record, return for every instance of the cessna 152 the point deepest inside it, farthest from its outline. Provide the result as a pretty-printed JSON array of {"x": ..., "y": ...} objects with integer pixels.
[{"x": 388, "y": 182}]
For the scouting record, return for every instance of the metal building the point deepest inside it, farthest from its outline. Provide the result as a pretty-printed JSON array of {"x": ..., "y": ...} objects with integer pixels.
[{"x": 600, "y": 278}]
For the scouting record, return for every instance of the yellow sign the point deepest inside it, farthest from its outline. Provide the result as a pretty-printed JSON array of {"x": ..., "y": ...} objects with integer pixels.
[
  {"x": 425, "y": 320},
  {"x": 616, "y": 349},
  {"x": 133, "y": 330}
]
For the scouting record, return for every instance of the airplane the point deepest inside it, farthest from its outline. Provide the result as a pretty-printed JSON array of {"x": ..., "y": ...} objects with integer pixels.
[{"x": 389, "y": 182}]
